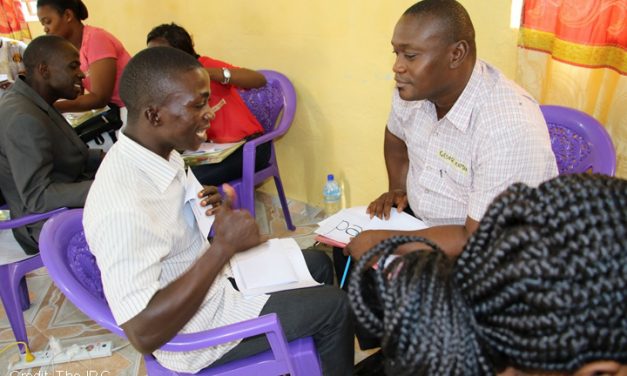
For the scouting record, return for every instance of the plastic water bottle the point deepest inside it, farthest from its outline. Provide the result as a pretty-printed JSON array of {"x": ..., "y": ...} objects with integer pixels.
[{"x": 332, "y": 196}]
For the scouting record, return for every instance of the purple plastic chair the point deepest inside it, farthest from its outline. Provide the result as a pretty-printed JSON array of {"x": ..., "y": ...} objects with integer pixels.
[
  {"x": 274, "y": 105},
  {"x": 579, "y": 141},
  {"x": 73, "y": 269},
  {"x": 14, "y": 264}
]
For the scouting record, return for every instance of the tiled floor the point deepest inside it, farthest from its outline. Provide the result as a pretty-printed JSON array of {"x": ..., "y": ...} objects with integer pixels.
[{"x": 52, "y": 315}]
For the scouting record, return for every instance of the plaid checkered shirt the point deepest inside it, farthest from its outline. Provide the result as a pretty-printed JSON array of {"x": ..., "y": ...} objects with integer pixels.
[{"x": 493, "y": 136}]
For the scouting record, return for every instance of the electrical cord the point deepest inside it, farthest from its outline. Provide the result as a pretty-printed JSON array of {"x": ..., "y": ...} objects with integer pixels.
[{"x": 28, "y": 356}]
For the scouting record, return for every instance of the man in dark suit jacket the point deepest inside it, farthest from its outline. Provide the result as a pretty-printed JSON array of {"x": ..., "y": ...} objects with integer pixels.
[{"x": 44, "y": 165}]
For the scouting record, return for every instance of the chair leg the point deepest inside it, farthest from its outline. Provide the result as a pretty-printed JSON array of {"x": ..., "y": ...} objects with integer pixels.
[
  {"x": 247, "y": 198},
  {"x": 286, "y": 210},
  {"x": 305, "y": 357},
  {"x": 10, "y": 293},
  {"x": 24, "y": 298}
]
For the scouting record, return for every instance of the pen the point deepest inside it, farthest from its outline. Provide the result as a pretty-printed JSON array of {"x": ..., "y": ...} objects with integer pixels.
[{"x": 348, "y": 264}]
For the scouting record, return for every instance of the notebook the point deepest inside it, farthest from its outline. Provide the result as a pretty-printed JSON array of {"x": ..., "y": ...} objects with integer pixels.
[
  {"x": 210, "y": 153},
  {"x": 77, "y": 118},
  {"x": 275, "y": 265}
]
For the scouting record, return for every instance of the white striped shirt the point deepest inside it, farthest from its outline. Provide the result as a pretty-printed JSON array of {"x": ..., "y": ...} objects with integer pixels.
[
  {"x": 135, "y": 224},
  {"x": 493, "y": 136}
]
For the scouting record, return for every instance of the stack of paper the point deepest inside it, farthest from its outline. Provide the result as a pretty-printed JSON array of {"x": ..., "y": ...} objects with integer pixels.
[
  {"x": 275, "y": 265},
  {"x": 338, "y": 229}
]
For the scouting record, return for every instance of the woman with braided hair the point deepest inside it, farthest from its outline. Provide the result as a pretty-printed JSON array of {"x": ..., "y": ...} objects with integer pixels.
[{"x": 540, "y": 288}]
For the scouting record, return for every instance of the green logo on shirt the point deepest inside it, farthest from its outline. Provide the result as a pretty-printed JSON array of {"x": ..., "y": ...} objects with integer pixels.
[{"x": 453, "y": 162}]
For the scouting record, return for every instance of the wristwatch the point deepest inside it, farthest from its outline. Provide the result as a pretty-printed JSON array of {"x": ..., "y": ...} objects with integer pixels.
[{"x": 227, "y": 75}]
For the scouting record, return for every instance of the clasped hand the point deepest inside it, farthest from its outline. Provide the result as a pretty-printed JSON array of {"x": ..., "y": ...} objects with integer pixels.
[
  {"x": 212, "y": 198},
  {"x": 380, "y": 208},
  {"x": 235, "y": 230}
]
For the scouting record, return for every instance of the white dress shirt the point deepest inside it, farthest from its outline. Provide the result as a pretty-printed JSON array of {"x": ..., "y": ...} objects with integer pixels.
[
  {"x": 493, "y": 136},
  {"x": 135, "y": 224}
]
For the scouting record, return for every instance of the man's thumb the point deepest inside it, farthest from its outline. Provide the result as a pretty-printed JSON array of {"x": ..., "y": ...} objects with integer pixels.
[{"x": 231, "y": 195}]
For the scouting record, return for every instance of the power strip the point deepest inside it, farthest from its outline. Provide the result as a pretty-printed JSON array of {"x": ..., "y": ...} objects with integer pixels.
[{"x": 71, "y": 354}]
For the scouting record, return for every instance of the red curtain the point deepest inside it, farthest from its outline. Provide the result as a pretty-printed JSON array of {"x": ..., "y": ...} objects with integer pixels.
[
  {"x": 587, "y": 33},
  {"x": 12, "y": 22},
  {"x": 574, "y": 53}
]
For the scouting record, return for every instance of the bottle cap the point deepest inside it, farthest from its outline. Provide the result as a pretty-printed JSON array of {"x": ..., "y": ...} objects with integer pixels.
[{"x": 330, "y": 177}]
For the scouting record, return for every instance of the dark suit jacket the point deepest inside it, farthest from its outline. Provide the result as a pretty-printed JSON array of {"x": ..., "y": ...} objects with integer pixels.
[{"x": 43, "y": 163}]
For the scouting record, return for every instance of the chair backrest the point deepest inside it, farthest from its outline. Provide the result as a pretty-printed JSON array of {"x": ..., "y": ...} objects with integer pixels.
[
  {"x": 580, "y": 143},
  {"x": 73, "y": 268},
  {"x": 11, "y": 251},
  {"x": 274, "y": 105},
  {"x": 268, "y": 102}
]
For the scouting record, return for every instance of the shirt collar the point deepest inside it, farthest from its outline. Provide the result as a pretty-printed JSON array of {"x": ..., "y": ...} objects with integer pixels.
[
  {"x": 160, "y": 171},
  {"x": 25, "y": 89},
  {"x": 459, "y": 114}
]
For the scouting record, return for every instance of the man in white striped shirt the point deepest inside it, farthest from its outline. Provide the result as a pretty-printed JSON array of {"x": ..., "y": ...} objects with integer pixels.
[{"x": 160, "y": 276}]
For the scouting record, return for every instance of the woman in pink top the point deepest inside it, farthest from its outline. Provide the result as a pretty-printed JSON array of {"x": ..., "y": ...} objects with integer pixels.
[{"x": 102, "y": 56}]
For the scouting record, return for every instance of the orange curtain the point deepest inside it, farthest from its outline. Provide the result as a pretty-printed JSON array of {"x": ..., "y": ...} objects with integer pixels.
[
  {"x": 574, "y": 53},
  {"x": 12, "y": 22}
]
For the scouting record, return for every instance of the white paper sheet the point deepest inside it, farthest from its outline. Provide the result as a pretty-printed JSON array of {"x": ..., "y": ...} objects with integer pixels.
[
  {"x": 275, "y": 265},
  {"x": 348, "y": 223},
  {"x": 397, "y": 221},
  {"x": 192, "y": 187}
]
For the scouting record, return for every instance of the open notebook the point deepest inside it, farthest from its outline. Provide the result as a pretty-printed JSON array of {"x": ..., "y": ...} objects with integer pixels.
[
  {"x": 275, "y": 265},
  {"x": 77, "y": 118},
  {"x": 210, "y": 153}
]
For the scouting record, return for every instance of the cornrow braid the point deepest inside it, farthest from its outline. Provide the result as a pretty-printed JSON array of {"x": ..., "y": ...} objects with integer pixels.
[
  {"x": 426, "y": 327},
  {"x": 541, "y": 285}
]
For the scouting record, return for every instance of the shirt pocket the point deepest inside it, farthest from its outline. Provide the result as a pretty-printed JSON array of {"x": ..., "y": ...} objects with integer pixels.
[
  {"x": 456, "y": 177},
  {"x": 455, "y": 180}
]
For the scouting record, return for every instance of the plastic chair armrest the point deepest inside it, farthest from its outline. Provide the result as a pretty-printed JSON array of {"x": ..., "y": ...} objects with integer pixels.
[
  {"x": 252, "y": 144},
  {"x": 28, "y": 219},
  {"x": 267, "y": 324}
]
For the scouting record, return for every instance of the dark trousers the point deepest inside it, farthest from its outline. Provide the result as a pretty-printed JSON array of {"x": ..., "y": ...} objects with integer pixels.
[
  {"x": 320, "y": 312},
  {"x": 366, "y": 339},
  {"x": 231, "y": 167}
]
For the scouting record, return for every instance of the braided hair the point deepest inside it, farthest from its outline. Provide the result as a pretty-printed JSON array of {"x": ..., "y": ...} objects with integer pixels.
[{"x": 541, "y": 285}]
